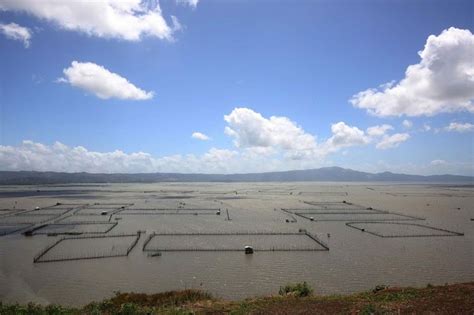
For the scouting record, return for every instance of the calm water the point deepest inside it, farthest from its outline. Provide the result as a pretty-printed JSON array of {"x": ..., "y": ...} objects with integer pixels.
[{"x": 356, "y": 260}]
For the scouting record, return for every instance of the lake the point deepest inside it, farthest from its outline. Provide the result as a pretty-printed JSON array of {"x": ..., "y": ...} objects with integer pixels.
[{"x": 102, "y": 238}]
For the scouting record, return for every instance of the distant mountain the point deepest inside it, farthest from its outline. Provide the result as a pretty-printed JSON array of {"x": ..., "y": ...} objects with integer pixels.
[{"x": 333, "y": 174}]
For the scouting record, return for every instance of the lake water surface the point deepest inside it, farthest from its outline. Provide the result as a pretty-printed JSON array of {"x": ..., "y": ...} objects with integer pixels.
[{"x": 356, "y": 260}]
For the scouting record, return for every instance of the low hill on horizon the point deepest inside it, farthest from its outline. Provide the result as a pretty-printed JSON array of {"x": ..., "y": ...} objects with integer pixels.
[{"x": 329, "y": 174}]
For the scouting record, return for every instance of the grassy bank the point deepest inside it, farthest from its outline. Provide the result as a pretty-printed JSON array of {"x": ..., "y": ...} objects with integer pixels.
[{"x": 293, "y": 299}]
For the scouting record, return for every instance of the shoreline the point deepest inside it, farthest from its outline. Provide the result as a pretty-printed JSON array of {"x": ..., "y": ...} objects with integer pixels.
[{"x": 444, "y": 299}]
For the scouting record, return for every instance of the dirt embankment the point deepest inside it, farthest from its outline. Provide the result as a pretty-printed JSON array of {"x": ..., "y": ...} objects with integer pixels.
[{"x": 447, "y": 299}]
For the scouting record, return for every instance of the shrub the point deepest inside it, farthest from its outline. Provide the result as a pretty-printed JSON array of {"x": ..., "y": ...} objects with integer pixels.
[{"x": 297, "y": 289}]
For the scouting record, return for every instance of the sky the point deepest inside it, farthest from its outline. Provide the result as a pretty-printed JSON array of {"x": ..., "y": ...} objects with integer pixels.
[{"x": 237, "y": 86}]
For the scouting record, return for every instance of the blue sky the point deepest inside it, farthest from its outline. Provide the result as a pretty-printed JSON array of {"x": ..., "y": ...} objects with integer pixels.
[{"x": 303, "y": 61}]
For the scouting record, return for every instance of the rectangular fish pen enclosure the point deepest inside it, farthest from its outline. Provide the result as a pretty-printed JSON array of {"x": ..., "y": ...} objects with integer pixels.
[
  {"x": 98, "y": 209},
  {"x": 301, "y": 241},
  {"x": 171, "y": 211},
  {"x": 400, "y": 229},
  {"x": 74, "y": 228},
  {"x": 27, "y": 218},
  {"x": 6, "y": 228},
  {"x": 332, "y": 211},
  {"x": 334, "y": 205},
  {"x": 323, "y": 193},
  {"x": 385, "y": 216},
  {"x": 89, "y": 247},
  {"x": 85, "y": 218}
]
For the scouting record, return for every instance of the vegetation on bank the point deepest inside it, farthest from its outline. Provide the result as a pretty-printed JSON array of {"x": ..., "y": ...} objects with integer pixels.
[{"x": 293, "y": 299}]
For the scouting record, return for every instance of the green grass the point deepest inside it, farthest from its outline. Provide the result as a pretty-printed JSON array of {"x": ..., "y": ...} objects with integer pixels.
[{"x": 296, "y": 289}]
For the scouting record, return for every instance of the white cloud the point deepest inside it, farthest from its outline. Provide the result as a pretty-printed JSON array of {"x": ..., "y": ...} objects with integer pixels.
[
  {"x": 426, "y": 127},
  {"x": 280, "y": 135},
  {"x": 123, "y": 19},
  {"x": 379, "y": 130},
  {"x": 345, "y": 136},
  {"x": 62, "y": 158},
  {"x": 58, "y": 157},
  {"x": 443, "y": 81},
  {"x": 251, "y": 129},
  {"x": 407, "y": 124},
  {"x": 262, "y": 144},
  {"x": 459, "y": 127},
  {"x": 101, "y": 82},
  {"x": 199, "y": 136},
  {"x": 16, "y": 32},
  {"x": 392, "y": 141},
  {"x": 191, "y": 3}
]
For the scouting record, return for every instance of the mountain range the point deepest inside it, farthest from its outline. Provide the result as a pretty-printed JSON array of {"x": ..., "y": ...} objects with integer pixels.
[{"x": 332, "y": 174}]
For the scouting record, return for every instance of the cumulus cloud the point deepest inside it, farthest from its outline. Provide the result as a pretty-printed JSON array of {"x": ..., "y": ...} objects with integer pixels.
[
  {"x": 199, "y": 136},
  {"x": 379, "y": 130},
  {"x": 128, "y": 20},
  {"x": 261, "y": 144},
  {"x": 443, "y": 80},
  {"x": 459, "y": 127},
  {"x": 345, "y": 136},
  {"x": 59, "y": 157},
  {"x": 192, "y": 3},
  {"x": 392, "y": 141},
  {"x": 16, "y": 32},
  {"x": 251, "y": 129},
  {"x": 99, "y": 81},
  {"x": 280, "y": 135}
]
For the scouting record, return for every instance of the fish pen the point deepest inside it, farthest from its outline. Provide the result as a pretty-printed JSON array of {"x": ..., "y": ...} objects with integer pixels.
[
  {"x": 99, "y": 208},
  {"x": 86, "y": 218},
  {"x": 88, "y": 247},
  {"x": 27, "y": 218},
  {"x": 9, "y": 212},
  {"x": 37, "y": 215},
  {"x": 96, "y": 211},
  {"x": 399, "y": 229},
  {"x": 385, "y": 216},
  {"x": 6, "y": 229},
  {"x": 171, "y": 211},
  {"x": 111, "y": 204},
  {"x": 53, "y": 211},
  {"x": 61, "y": 205},
  {"x": 324, "y": 193},
  {"x": 72, "y": 228},
  {"x": 335, "y": 205},
  {"x": 332, "y": 211},
  {"x": 263, "y": 241}
]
